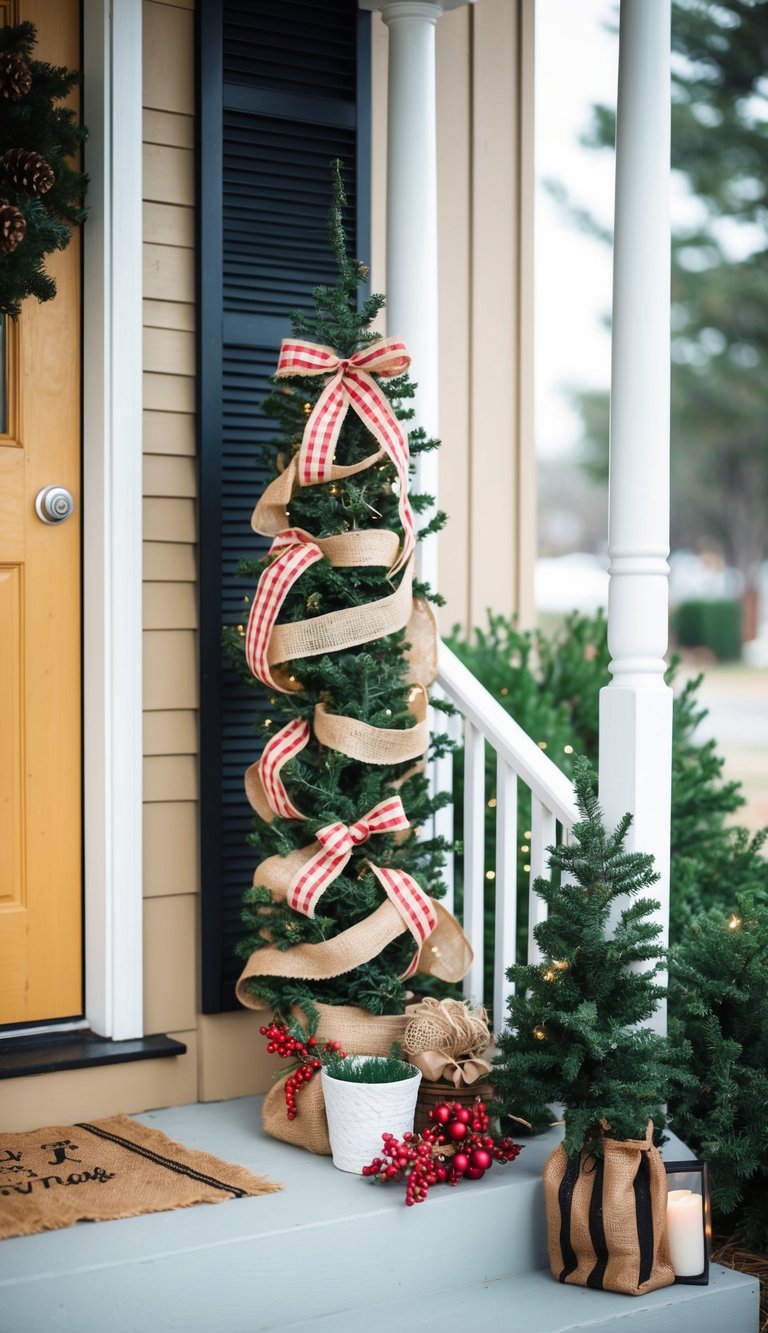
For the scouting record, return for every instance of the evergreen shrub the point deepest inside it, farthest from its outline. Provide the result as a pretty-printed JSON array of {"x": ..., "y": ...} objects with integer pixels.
[{"x": 714, "y": 624}]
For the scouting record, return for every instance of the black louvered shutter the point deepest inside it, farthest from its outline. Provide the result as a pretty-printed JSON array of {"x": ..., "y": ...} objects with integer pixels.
[{"x": 284, "y": 89}]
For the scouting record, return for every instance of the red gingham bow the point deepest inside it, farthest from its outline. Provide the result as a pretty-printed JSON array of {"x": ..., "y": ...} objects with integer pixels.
[
  {"x": 337, "y": 843},
  {"x": 352, "y": 386}
]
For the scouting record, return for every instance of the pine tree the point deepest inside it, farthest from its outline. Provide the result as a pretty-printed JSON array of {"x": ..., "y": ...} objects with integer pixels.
[
  {"x": 573, "y": 1039},
  {"x": 40, "y": 191},
  {"x": 369, "y": 683},
  {"x": 719, "y": 1031}
]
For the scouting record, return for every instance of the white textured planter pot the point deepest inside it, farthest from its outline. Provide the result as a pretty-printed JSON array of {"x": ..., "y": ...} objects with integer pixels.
[{"x": 359, "y": 1113}]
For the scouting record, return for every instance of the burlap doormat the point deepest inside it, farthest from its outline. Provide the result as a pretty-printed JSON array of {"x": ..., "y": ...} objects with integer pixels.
[{"x": 63, "y": 1174}]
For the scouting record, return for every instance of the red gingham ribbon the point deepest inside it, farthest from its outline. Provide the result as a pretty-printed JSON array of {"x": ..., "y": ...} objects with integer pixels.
[
  {"x": 287, "y": 742},
  {"x": 298, "y": 553},
  {"x": 353, "y": 386},
  {"x": 337, "y": 843}
]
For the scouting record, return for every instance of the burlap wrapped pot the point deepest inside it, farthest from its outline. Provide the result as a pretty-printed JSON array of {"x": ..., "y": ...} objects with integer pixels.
[
  {"x": 606, "y": 1217},
  {"x": 360, "y": 1033}
]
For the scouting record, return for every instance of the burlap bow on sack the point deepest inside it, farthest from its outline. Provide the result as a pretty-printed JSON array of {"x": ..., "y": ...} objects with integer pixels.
[
  {"x": 606, "y": 1216},
  {"x": 445, "y": 1040}
]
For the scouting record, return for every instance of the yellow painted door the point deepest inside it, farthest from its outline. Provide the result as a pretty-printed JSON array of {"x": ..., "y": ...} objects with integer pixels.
[{"x": 40, "y": 672}]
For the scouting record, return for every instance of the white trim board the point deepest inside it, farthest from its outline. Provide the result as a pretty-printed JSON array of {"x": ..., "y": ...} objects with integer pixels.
[{"x": 112, "y": 490}]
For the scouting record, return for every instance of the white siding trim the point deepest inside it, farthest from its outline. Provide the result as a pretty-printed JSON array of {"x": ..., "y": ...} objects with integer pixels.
[{"x": 112, "y": 463}]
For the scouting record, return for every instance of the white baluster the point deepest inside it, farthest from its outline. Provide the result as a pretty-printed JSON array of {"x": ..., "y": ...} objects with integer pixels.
[
  {"x": 543, "y": 828},
  {"x": 474, "y": 856},
  {"x": 441, "y": 781},
  {"x": 506, "y": 889}
]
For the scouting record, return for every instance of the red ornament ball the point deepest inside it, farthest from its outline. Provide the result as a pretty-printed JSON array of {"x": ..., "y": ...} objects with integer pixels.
[
  {"x": 456, "y": 1130},
  {"x": 463, "y": 1115},
  {"x": 474, "y": 1173},
  {"x": 460, "y": 1162},
  {"x": 442, "y": 1114},
  {"x": 481, "y": 1159}
]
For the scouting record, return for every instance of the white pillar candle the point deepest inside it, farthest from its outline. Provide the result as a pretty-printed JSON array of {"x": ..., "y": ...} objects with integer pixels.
[{"x": 685, "y": 1230}]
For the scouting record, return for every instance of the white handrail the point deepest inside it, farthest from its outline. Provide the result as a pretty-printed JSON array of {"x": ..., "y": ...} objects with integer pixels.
[
  {"x": 508, "y": 739},
  {"x": 518, "y": 758}
]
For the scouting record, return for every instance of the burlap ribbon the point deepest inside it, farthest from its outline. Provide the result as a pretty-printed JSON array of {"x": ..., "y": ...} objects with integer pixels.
[
  {"x": 271, "y": 512},
  {"x": 264, "y": 786},
  {"x": 458, "y": 1072},
  {"x": 294, "y": 551},
  {"x": 446, "y": 954},
  {"x": 339, "y": 630},
  {"x": 444, "y": 1039},
  {"x": 352, "y": 385}
]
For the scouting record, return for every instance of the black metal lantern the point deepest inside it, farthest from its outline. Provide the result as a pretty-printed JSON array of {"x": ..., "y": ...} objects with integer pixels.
[{"x": 689, "y": 1221}]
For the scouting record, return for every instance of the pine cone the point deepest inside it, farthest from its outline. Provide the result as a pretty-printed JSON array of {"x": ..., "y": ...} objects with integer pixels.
[
  {"x": 15, "y": 76},
  {"x": 27, "y": 170},
  {"x": 13, "y": 225}
]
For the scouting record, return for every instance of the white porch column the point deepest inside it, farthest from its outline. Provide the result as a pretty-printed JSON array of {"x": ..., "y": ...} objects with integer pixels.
[
  {"x": 636, "y": 708},
  {"x": 412, "y": 221}
]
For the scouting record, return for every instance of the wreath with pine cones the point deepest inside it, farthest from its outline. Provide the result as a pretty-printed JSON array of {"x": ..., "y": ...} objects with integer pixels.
[{"x": 41, "y": 195}]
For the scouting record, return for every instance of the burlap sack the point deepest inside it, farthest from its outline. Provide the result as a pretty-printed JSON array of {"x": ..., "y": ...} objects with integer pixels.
[
  {"x": 606, "y": 1217},
  {"x": 360, "y": 1033}
]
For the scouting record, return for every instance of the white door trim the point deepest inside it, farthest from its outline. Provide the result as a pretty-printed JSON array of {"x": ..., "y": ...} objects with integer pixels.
[{"x": 112, "y": 490}]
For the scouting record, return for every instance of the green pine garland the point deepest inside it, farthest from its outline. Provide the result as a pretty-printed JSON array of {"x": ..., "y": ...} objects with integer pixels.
[
  {"x": 719, "y": 1031},
  {"x": 33, "y": 122},
  {"x": 369, "y": 683},
  {"x": 573, "y": 1039}
]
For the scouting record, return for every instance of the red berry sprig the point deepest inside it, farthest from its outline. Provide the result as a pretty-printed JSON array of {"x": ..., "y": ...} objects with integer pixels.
[
  {"x": 304, "y": 1056},
  {"x": 456, "y": 1146}
]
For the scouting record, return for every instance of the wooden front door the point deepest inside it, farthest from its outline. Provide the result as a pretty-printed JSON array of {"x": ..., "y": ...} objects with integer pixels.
[{"x": 40, "y": 670}]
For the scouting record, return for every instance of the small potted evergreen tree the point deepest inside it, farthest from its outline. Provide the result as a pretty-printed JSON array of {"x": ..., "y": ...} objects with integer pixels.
[
  {"x": 366, "y": 1095},
  {"x": 575, "y": 1041}
]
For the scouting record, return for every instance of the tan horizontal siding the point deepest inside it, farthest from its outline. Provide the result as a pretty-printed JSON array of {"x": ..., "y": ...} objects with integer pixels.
[
  {"x": 169, "y": 433},
  {"x": 169, "y": 520},
  {"x": 170, "y": 945},
  {"x": 170, "y": 847},
  {"x": 169, "y": 175},
  {"x": 170, "y": 606},
  {"x": 169, "y": 58},
  {"x": 171, "y": 863},
  {"x": 170, "y": 731},
  {"x": 170, "y": 671},
  {"x": 169, "y": 273},
  {"x": 170, "y": 777},
  {"x": 165, "y": 128},
  {"x": 169, "y": 562},
  {"x": 169, "y": 224},
  {"x": 171, "y": 351},
  {"x": 169, "y": 315}
]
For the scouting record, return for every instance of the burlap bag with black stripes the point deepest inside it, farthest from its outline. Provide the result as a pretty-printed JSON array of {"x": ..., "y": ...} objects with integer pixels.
[{"x": 606, "y": 1216}]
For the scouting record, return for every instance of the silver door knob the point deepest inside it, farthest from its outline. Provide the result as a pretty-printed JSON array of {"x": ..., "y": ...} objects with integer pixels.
[{"x": 54, "y": 504}]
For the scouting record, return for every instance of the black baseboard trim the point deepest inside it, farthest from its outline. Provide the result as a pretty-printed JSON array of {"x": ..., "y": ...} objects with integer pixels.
[{"x": 48, "y": 1054}]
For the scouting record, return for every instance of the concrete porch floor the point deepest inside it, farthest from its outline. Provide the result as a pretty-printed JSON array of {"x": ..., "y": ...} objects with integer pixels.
[{"x": 331, "y": 1252}]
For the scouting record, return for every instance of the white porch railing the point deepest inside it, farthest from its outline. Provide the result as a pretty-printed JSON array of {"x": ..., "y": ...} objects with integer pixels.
[{"x": 481, "y": 720}]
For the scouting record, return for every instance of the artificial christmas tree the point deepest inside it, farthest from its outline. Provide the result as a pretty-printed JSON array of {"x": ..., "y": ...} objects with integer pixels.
[
  {"x": 341, "y": 636},
  {"x": 574, "y": 1042}
]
